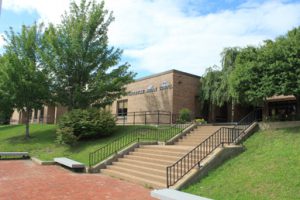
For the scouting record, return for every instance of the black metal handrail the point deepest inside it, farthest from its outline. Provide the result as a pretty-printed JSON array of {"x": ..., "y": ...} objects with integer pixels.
[
  {"x": 162, "y": 133},
  {"x": 157, "y": 117},
  {"x": 194, "y": 157}
]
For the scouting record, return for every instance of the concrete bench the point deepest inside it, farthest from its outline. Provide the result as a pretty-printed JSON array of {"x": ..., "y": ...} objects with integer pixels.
[
  {"x": 170, "y": 194},
  {"x": 69, "y": 163},
  {"x": 14, "y": 154}
]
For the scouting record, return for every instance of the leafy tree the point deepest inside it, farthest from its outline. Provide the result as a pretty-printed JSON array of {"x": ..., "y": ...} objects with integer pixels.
[
  {"x": 223, "y": 93},
  {"x": 6, "y": 103},
  {"x": 27, "y": 81},
  {"x": 84, "y": 69},
  {"x": 209, "y": 84},
  {"x": 215, "y": 87},
  {"x": 285, "y": 65},
  {"x": 245, "y": 79},
  {"x": 268, "y": 70}
]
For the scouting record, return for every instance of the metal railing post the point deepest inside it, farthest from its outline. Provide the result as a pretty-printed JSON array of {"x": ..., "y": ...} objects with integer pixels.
[
  {"x": 123, "y": 118},
  {"x": 158, "y": 117}
]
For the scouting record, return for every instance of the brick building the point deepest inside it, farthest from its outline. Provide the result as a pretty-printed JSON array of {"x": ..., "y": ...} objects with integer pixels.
[
  {"x": 163, "y": 94},
  {"x": 159, "y": 98},
  {"x": 46, "y": 115},
  {"x": 167, "y": 92}
]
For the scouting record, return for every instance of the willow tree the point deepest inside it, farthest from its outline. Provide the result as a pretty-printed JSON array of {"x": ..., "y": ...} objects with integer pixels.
[
  {"x": 85, "y": 70},
  {"x": 209, "y": 85},
  {"x": 223, "y": 93},
  {"x": 215, "y": 87}
]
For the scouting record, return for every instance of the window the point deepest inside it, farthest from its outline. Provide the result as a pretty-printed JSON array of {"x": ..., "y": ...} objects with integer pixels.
[{"x": 122, "y": 107}]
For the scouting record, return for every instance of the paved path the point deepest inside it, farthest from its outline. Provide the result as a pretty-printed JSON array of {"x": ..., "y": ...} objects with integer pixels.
[{"x": 24, "y": 180}]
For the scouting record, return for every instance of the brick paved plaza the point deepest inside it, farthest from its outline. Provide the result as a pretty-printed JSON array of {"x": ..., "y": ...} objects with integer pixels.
[{"x": 23, "y": 179}]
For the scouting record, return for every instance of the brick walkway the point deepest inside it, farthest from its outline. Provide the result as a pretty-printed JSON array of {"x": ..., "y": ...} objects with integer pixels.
[{"x": 24, "y": 180}]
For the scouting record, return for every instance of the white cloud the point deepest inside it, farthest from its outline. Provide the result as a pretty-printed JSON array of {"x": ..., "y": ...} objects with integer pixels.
[{"x": 157, "y": 35}]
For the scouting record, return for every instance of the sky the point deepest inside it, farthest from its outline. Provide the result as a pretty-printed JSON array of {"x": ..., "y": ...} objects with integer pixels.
[{"x": 159, "y": 35}]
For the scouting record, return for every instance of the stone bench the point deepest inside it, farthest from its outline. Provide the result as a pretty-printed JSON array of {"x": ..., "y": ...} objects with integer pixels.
[
  {"x": 14, "y": 154},
  {"x": 69, "y": 163},
  {"x": 170, "y": 194}
]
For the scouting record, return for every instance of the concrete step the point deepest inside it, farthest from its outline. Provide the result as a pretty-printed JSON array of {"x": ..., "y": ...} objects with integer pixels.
[
  {"x": 135, "y": 179},
  {"x": 147, "y": 174},
  {"x": 174, "y": 148},
  {"x": 156, "y": 155},
  {"x": 141, "y": 167},
  {"x": 165, "y": 161},
  {"x": 162, "y": 152},
  {"x": 142, "y": 163}
]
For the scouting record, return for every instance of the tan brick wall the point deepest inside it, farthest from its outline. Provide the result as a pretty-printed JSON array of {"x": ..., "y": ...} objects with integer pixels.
[
  {"x": 59, "y": 111},
  {"x": 15, "y": 117},
  {"x": 159, "y": 100},
  {"x": 148, "y": 101},
  {"x": 182, "y": 94},
  {"x": 186, "y": 89}
]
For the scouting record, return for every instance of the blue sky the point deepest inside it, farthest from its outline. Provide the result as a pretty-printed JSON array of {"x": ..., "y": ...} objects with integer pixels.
[{"x": 158, "y": 35}]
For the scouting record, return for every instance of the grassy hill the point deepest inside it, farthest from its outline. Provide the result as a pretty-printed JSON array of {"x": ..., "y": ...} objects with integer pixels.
[
  {"x": 42, "y": 142},
  {"x": 268, "y": 169}
]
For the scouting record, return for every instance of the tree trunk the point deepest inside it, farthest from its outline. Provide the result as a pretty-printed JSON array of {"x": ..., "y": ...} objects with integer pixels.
[
  {"x": 298, "y": 106},
  {"x": 232, "y": 110},
  {"x": 28, "y": 113}
]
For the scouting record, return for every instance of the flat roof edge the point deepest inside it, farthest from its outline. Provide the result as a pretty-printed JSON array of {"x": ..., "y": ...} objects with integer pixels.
[{"x": 167, "y": 72}]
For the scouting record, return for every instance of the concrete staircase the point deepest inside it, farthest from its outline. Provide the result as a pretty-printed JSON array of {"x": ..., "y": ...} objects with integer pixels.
[
  {"x": 147, "y": 164},
  {"x": 198, "y": 135}
]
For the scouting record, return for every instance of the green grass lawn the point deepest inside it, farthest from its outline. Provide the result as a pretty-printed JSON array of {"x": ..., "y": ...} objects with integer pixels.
[
  {"x": 268, "y": 169},
  {"x": 42, "y": 142}
]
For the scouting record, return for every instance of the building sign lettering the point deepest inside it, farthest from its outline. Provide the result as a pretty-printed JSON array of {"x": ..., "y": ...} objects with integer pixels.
[{"x": 151, "y": 89}]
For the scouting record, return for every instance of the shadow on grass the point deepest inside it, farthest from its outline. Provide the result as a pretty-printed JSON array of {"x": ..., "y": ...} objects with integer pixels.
[
  {"x": 9, "y": 127},
  {"x": 42, "y": 137},
  {"x": 294, "y": 130}
]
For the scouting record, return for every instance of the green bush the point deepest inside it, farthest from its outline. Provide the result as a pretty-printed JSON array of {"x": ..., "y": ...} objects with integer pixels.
[
  {"x": 85, "y": 124},
  {"x": 200, "y": 121},
  {"x": 185, "y": 115},
  {"x": 65, "y": 136}
]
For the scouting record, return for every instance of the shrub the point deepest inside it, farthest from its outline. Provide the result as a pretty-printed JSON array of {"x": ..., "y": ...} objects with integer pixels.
[
  {"x": 85, "y": 124},
  {"x": 185, "y": 115},
  {"x": 200, "y": 121},
  {"x": 65, "y": 136}
]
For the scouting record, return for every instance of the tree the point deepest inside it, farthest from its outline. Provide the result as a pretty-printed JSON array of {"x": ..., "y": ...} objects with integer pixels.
[
  {"x": 6, "y": 103},
  {"x": 84, "y": 69},
  {"x": 221, "y": 92},
  {"x": 27, "y": 81},
  {"x": 246, "y": 79},
  {"x": 285, "y": 52},
  {"x": 215, "y": 83},
  {"x": 268, "y": 70},
  {"x": 209, "y": 84}
]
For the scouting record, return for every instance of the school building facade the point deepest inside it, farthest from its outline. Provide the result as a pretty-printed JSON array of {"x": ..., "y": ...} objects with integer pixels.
[{"x": 159, "y": 98}]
